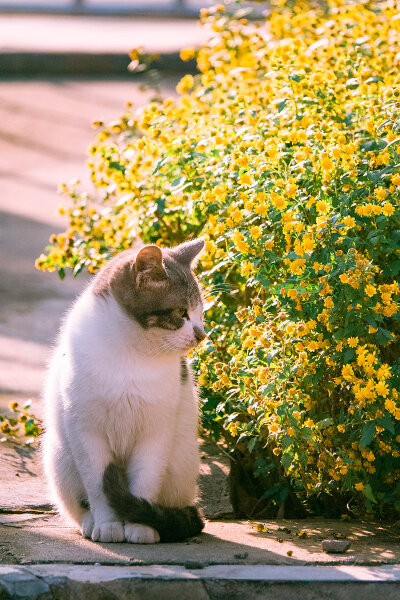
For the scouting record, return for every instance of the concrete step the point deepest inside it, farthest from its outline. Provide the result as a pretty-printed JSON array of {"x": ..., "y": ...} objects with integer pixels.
[{"x": 217, "y": 582}]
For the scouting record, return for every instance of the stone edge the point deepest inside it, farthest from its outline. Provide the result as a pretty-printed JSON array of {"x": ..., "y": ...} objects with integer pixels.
[
  {"x": 47, "y": 582},
  {"x": 45, "y": 64}
]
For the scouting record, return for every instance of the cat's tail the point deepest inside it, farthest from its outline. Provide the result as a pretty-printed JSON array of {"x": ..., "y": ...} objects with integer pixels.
[{"x": 172, "y": 524}]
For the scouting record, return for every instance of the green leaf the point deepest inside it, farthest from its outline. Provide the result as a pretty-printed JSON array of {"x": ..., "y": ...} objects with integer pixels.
[
  {"x": 387, "y": 423},
  {"x": 396, "y": 141},
  {"x": 286, "y": 460},
  {"x": 325, "y": 423},
  {"x": 368, "y": 433},
  {"x": 383, "y": 336},
  {"x": 78, "y": 268},
  {"x": 373, "y": 79},
  {"x": 245, "y": 373},
  {"x": 368, "y": 493},
  {"x": 393, "y": 269},
  {"x": 251, "y": 444},
  {"x": 286, "y": 442},
  {"x": 349, "y": 355},
  {"x": 352, "y": 83},
  {"x": 267, "y": 389},
  {"x": 282, "y": 105},
  {"x": 232, "y": 417}
]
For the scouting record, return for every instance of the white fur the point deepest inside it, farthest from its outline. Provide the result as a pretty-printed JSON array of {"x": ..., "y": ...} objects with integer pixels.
[{"x": 114, "y": 391}]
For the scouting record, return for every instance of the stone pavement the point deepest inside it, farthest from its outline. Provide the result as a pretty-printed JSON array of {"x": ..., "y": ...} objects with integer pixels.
[
  {"x": 44, "y": 131},
  {"x": 44, "y": 45}
]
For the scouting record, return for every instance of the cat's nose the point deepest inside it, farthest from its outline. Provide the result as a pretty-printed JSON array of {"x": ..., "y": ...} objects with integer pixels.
[{"x": 199, "y": 333}]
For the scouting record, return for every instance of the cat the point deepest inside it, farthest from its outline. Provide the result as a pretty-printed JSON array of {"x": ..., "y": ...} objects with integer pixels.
[{"x": 121, "y": 411}]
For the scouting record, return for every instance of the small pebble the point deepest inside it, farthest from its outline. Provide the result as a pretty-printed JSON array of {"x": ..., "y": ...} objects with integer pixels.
[{"x": 335, "y": 546}]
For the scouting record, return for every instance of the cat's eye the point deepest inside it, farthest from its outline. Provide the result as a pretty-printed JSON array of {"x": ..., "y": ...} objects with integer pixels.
[{"x": 182, "y": 312}]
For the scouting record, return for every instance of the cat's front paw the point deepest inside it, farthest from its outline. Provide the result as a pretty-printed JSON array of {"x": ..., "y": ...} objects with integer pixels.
[
  {"x": 141, "y": 534},
  {"x": 87, "y": 525},
  {"x": 110, "y": 531}
]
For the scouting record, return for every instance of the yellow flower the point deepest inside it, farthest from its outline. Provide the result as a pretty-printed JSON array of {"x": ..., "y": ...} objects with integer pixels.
[
  {"x": 388, "y": 209},
  {"x": 317, "y": 267},
  {"x": 344, "y": 278},
  {"x": 187, "y": 54},
  {"x": 308, "y": 244},
  {"x": 185, "y": 84},
  {"x": 380, "y": 193},
  {"x": 349, "y": 221},
  {"x": 291, "y": 431},
  {"x": 245, "y": 179},
  {"x": 273, "y": 428},
  {"x": 233, "y": 429},
  {"x": 261, "y": 209},
  {"x": 236, "y": 215},
  {"x": 382, "y": 389},
  {"x": 240, "y": 242},
  {"x": 390, "y": 406},
  {"x": 359, "y": 486},
  {"x": 255, "y": 232},
  {"x": 370, "y": 290},
  {"x": 352, "y": 342},
  {"x": 246, "y": 269},
  {"x": 322, "y": 206},
  {"x": 278, "y": 201},
  {"x": 395, "y": 179},
  {"x": 297, "y": 266},
  {"x": 13, "y": 405},
  {"x": 326, "y": 163},
  {"x": 291, "y": 190},
  {"x": 347, "y": 372}
]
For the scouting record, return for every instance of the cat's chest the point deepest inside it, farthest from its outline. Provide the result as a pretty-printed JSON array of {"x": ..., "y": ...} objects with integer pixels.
[{"x": 129, "y": 377}]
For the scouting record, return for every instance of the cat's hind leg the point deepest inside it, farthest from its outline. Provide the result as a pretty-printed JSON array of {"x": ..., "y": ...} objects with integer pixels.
[
  {"x": 67, "y": 489},
  {"x": 179, "y": 487}
]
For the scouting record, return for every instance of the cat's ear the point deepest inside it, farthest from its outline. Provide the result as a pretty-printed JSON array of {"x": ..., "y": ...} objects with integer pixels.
[
  {"x": 188, "y": 252},
  {"x": 148, "y": 266}
]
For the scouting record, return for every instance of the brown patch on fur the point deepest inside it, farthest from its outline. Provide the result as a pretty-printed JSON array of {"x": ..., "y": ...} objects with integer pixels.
[{"x": 152, "y": 285}]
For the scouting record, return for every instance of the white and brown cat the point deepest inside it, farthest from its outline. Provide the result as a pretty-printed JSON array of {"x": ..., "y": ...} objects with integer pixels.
[{"x": 120, "y": 443}]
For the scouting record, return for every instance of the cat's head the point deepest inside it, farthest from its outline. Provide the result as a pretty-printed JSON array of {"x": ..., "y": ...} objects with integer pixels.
[{"x": 156, "y": 288}]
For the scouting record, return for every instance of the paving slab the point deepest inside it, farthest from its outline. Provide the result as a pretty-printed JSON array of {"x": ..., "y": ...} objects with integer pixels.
[
  {"x": 38, "y": 535},
  {"x": 45, "y": 45}
]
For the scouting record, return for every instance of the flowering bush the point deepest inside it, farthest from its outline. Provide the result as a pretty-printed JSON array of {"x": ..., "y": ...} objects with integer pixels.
[{"x": 283, "y": 153}]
